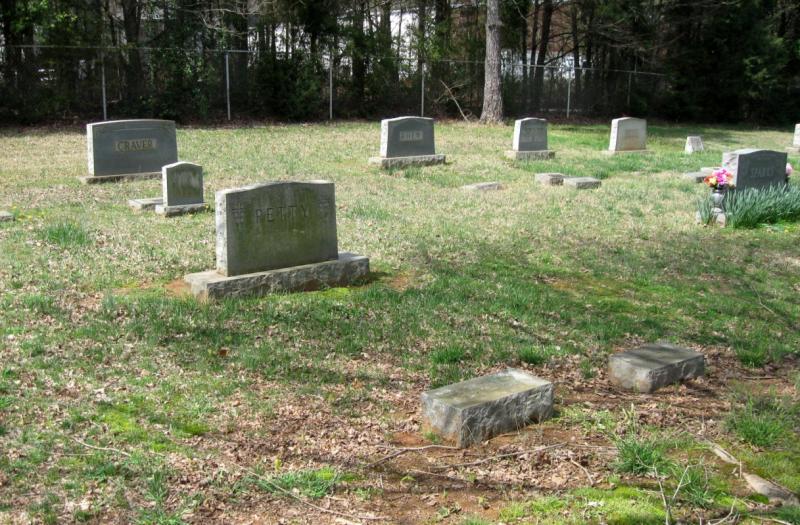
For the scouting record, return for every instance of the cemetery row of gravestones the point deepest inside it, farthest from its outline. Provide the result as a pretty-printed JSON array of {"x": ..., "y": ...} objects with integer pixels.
[{"x": 281, "y": 237}]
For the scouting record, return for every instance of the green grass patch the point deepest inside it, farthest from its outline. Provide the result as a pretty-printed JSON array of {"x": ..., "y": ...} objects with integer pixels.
[
  {"x": 67, "y": 234},
  {"x": 312, "y": 484}
]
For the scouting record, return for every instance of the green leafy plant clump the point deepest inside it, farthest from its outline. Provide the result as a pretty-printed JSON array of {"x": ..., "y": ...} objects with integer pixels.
[{"x": 750, "y": 208}]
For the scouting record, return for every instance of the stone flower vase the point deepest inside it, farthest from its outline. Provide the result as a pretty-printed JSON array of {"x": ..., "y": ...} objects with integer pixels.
[{"x": 717, "y": 201}]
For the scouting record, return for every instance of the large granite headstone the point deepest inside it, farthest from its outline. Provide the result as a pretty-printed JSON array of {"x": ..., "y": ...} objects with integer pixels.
[
  {"x": 407, "y": 141},
  {"x": 756, "y": 168},
  {"x": 277, "y": 236},
  {"x": 628, "y": 134},
  {"x": 694, "y": 144},
  {"x": 795, "y": 147},
  {"x": 653, "y": 366},
  {"x": 530, "y": 140},
  {"x": 478, "y": 409},
  {"x": 128, "y": 149}
]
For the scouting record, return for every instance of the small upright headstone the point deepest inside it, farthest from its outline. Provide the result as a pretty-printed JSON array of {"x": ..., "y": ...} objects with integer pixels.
[
  {"x": 407, "y": 141},
  {"x": 478, "y": 409},
  {"x": 628, "y": 135},
  {"x": 530, "y": 140},
  {"x": 277, "y": 237},
  {"x": 582, "y": 183},
  {"x": 653, "y": 366},
  {"x": 756, "y": 168},
  {"x": 6, "y": 216},
  {"x": 694, "y": 144},
  {"x": 182, "y": 189},
  {"x": 129, "y": 149},
  {"x": 795, "y": 147}
]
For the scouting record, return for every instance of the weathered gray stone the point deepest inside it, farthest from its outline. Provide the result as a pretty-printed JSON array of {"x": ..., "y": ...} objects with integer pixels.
[
  {"x": 145, "y": 204},
  {"x": 478, "y": 409},
  {"x": 550, "y": 179},
  {"x": 754, "y": 168},
  {"x": 694, "y": 144},
  {"x": 708, "y": 170},
  {"x": 404, "y": 162},
  {"x": 344, "y": 270},
  {"x": 179, "y": 209},
  {"x": 628, "y": 135},
  {"x": 483, "y": 186},
  {"x": 795, "y": 147},
  {"x": 530, "y": 134},
  {"x": 129, "y": 149},
  {"x": 653, "y": 366},
  {"x": 582, "y": 183},
  {"x": 6, "y": 216},
  {"x": 182, "y": 183},
  {"x": 695, "y": 176}
]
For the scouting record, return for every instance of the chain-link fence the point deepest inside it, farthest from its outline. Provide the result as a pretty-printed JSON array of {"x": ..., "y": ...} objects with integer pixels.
[{"x": 46, "y": 83}]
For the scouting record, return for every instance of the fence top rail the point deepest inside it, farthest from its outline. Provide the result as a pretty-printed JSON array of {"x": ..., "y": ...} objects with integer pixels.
[{"x": 254, "y": 51}]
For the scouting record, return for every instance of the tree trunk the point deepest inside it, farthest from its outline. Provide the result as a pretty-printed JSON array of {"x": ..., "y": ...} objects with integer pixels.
[
  {"x": 576, "y": 50},
  {"x": 492, "y": 93},
  {"x": 538, "y": 74},
  {"x": 534, "y": 35},
  {"x": 524, "y": 50},
  {"x": 131, "y": 21}
]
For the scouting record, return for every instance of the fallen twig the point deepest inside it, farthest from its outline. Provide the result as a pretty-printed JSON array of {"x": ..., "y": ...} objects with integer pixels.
[
  {"x": 585, "y": 471},
  {"x": 453, "y": 98},
  {"x": 104, "y": 449},
  {"x": 404, "y": 450}
]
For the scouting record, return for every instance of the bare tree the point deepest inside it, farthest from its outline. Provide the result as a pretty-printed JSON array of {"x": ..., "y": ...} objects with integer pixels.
[{"x": 492, "y": 94}]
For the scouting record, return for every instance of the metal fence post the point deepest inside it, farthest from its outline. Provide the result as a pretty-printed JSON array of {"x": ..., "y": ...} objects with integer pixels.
[
  {"x": 330, "y": 88},
  {"x": 227, "y": 85},
  {"x": 569, "y": 89},
  {"x": 422, "y": 103},
  {"x": 103, "y": 83}
]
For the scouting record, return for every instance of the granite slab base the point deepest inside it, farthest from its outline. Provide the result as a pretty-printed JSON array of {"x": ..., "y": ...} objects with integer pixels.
[
  {"x": 793, "y": 149},
  {"x": 652, "y": 366},
  {"x": 403, "y": 162},
  {"x": 549, "y": 179},
  {"x": 582, "y": 183},
  {"x": 626, "y": 151},
  {"x": 91, "y": 179},
  {"x": 343, "y": 271},
  {"x": 6, "y": 216},
  {"x": 483, "y": 186},
  {"x": 695, "y": 176},
  {"x": 708, "y": 170},
  {"x": 476, "y": 410},
  {"x": 530, "y": 155},
  {"x": 182, "y": 209},
  {"x": 145, "y": 204}
]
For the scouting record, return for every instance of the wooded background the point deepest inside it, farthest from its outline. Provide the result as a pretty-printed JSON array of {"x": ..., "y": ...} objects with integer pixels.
[{"x": 704, "y": 60}]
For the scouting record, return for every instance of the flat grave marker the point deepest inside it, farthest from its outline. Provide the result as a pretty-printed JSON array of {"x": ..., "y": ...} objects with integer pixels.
[
  {"x": 582, "y": 183},
  {"x": 652, "y": 366},
  {"x": 6, "y": 216},
  {"x": 483, "y": 186},
  {"x": 549, "y": 179},
  {"x": 407, "y": 141}
]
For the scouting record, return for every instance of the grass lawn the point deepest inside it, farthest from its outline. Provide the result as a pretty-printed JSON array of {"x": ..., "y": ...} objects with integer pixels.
[{"x": 124, "y": 400}]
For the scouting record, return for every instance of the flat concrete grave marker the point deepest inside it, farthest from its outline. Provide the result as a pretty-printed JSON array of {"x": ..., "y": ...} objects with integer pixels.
[
  {"x": 407, "y": 141},
  {"x": 483, "y": 186},
  {"x": 582, "y": 183},
  {"x": 628, "y": 135},
  {"x": 530, "y": 140},
  {"x": 478, "y": 409},
  {"x": 129, "y": 149},
  {"x": 756, "y": 168},
  {"x": 182, "y": 188},
  {"x": 149, "y": 203},
  {"x": 694, "y": 144},
  {"x": 6, "y": 216},
  {"x": 708, "y": 170},
  {"x": 652, "y": 366},
  {"x": 795, "y": 147},
  {"x": 695, "y": 176},
  {"x": 549, "y": 179},
  {"x": 277, "y": 237}
]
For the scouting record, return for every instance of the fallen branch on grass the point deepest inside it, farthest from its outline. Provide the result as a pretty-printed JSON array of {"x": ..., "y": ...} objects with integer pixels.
[
  {"x": 405, "y": 450},
  {"x": 104, "y": 449}
]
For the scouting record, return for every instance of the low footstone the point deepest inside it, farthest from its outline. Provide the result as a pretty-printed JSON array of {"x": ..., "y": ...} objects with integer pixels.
[
  {"x": 652, "y": 366},
  {"x": 483, "y": 186},
  {"x": 145, "y": 204},
  {"x": 6, "y": 216},
  {"x": 478, "y": 409},
  {"x": 695, "y": 176},
  {"x": 582, "y": 183},
  {"x": 550, "y": 179}
]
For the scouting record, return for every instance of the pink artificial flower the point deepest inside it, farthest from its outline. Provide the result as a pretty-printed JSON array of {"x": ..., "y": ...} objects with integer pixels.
[{"x": 789, "y": 170}]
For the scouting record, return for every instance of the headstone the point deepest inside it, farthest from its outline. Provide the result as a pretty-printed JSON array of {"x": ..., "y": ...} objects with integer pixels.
[
  {"x": 182, "y": 189},
  {"x": 483, "y": 186},
  {"x": 277, "y": 236},
  {"x": 628, "y": 135},
  {"x": 530, "y": 140},
  {"x": 756, "y": 168},
  {"x": 128, "y": 149},
  {"x": 6, "y": 216},
  {"x": 478, "y": 409},
  {"x": 795, "y": 147},
  {"x": 652, "y": 366},
  {"x": 407, "y": 141},
  {"x": 582, "y": 183},
  {"x": 694, "y": 144},
  {"x": 550, "y": 179},
  {"x": 695, "y": 176}
]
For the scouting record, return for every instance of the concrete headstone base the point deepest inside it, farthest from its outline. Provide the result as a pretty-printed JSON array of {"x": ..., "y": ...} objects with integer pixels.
[
  {"x": 341, "y": 272},
  {"x": 793, "y": 149},
  {"x": 402, "y": 162},
  {"x": 652, "y": 366},
  {"x": 478, "y": 409},
  {"x": 695, "y": 176},
  {"x": 145, "y": 204},
  {"x": 91, "y": 179},
  {"x": 181, "y": 209},
  {"x": 625, "y": 151},
  {"x": 530, "y": 155}
]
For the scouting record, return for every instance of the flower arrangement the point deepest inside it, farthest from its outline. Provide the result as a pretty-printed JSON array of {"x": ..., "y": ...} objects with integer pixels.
[
  {"x": 719, "y": 179},
  {"x": 789, "y": 170}
]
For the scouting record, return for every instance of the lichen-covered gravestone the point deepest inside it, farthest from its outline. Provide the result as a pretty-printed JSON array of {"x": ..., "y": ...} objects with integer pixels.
[
  {"x": 653, "y": 366},
  {"x": 756, "y": 168},
  {"x": 628, "y": 135},
  {"x": 129, "y": 149},
  {"x": 530, "y": 140},
  {"x": 277, "y": 237},
  {"x": 407, "y": 141},
  {"x": 478, "y": 409},
  {"x": 795, "y": 147},
  {"x": 694, "y": 144},
  {"x": 182, "y": 189}
]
